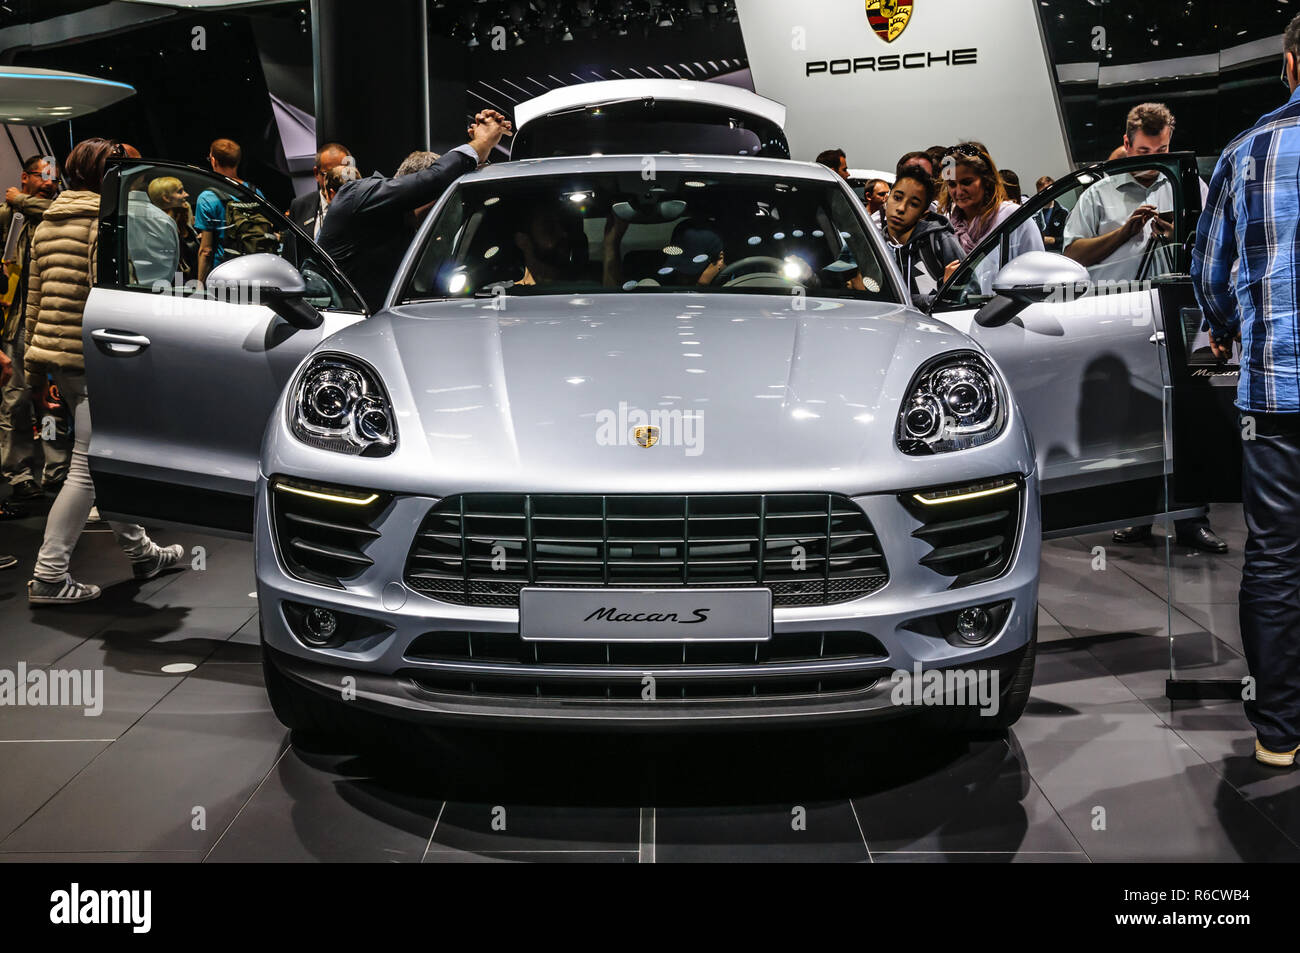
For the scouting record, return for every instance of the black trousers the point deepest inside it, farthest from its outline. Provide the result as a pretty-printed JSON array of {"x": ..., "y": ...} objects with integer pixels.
[{"x": 1270, "y": 583}]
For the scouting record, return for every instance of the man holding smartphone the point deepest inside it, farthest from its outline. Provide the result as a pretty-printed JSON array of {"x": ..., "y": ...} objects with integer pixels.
[
  {"x": 1117, "y": 230},
  {"x": 1111, "y": 228}
]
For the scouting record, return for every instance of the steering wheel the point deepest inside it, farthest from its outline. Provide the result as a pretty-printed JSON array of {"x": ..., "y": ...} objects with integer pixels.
[{"x": 765, "y": 263}]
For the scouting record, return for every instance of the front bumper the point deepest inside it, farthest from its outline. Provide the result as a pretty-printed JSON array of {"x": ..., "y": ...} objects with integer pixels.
[{"x": 386, "y": 671}]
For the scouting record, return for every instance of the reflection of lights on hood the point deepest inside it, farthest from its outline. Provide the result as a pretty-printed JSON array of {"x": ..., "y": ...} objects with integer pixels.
[
  {"x": 492, "y": 201},
  {"x": 800, "y": 413},
  {"x": 575, "y": 380},
  {"x": 458, "y": 282},
  {"x": 693, "y": 184},
  {"x": 578, "y": 197}
]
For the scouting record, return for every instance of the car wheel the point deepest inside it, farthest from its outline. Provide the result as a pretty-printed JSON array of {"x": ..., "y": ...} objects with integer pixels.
[
  {"x": 968, "y": 720},
  {"x": 311, "y": 718},
  {"x": 324, "y": 726}
]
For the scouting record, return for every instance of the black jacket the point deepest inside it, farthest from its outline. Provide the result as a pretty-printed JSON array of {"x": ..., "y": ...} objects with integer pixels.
[
  {"x": 930, "y": 247},
  {"x": 1051, "y": 222},
  {"x": 367, "y": 229}
]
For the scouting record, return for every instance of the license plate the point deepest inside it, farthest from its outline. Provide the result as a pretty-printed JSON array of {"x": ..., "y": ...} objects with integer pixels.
[{"x": 645, "y": 615}]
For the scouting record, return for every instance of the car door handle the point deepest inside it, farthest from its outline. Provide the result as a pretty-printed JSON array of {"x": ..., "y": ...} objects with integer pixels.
[
  {"x": 119, "y": 342},
  {"x": 1157, "y": 338}
]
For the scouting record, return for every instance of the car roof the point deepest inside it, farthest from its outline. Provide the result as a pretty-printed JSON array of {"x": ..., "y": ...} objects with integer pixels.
[{"x": 743, "y": 165}]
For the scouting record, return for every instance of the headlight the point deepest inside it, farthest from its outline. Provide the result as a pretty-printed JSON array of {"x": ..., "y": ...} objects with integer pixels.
[
  {"x": 955, "y": 402},
  {"x": 338, "y": 404}
]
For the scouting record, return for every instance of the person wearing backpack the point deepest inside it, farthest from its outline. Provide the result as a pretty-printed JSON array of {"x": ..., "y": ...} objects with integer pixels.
[{"x": 226, "y": 225}]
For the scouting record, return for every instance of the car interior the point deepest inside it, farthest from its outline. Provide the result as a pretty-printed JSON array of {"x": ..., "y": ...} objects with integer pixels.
[{"x": 618, "y": 235}]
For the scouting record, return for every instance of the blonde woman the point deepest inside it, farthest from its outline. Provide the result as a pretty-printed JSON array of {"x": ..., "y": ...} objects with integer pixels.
[{"x": 168, "y": 193}]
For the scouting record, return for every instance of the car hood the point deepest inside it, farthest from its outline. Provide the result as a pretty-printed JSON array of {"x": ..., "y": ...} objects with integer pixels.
[{"x": 547, "y": 393}]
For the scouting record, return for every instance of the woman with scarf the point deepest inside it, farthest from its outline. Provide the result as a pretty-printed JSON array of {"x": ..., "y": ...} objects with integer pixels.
[{"x": 976, "y": 203}]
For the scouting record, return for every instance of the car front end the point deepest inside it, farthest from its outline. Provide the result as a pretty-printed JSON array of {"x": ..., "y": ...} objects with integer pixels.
[
  {"x": 646, "y": 449},
  {"x": 397, "y": 581}
]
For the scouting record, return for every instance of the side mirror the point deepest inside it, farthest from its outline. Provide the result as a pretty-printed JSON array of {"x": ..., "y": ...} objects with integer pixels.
[
  {"x": 1032, "y": 278},
  {"x": 269, "y": 280}
]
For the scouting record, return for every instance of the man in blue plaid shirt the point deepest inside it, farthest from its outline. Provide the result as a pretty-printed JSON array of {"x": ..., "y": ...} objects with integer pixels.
[{"x": 1246, "y": 268}]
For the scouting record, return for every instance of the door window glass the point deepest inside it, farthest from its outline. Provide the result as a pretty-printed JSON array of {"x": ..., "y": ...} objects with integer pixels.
[
  {"x": 1095, "y": 206},
  {"x": 163, "y": 211}
]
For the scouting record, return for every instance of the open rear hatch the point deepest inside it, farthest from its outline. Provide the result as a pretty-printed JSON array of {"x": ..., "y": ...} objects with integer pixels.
[{"x": 648, "y": 117}]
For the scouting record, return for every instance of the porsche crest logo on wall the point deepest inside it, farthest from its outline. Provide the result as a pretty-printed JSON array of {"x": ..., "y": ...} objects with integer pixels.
[
  {"x": 646, "y": 436},
  {"x": 889, "y": 17}
]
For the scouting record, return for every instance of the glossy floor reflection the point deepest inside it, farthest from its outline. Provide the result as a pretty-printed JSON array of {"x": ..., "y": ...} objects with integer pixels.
[{"x": 187, "y": 762}]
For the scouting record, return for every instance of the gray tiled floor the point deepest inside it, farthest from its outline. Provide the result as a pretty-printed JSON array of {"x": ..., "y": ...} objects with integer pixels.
[{"x": 191, "y": 765}]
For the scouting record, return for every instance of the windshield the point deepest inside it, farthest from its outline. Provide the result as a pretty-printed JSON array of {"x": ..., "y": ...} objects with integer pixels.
[{"x": 617, "y": 232}]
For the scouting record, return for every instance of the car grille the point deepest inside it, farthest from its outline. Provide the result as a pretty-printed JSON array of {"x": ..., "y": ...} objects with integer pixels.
[
  {"x": 971, "y": 530},
  {"x": 502, "y": 664},
  {"x": 321, "y": 531},
  {"x": 808, "y": 548}
]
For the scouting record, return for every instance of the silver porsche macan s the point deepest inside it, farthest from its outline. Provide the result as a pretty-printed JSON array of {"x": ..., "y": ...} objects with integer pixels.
[{"x": 644, "y": 444}]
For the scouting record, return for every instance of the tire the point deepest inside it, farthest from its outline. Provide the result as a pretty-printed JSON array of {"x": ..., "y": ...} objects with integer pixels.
[
  {"x": 321, "y": 725},
  {"x": 310, "y": 717},
  {"x": 968, "y": 720}
]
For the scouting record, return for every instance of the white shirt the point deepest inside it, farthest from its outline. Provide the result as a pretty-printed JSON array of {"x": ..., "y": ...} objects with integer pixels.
[
  {"x": 152, "y": 242},
  {"x": 1106, "y": 206},
  {"x": 1025, "y": 238}
]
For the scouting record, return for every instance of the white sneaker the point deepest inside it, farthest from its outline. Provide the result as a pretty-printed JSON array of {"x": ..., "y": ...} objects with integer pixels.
[
  {"x": 1275, "y": 759},
  {"x": 64, "y": 592},
  {"x": 159, "y": 558}
]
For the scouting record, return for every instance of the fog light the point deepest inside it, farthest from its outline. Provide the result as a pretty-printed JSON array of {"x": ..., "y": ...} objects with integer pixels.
[
  {"x": 973, "y": 625},
  {"x": 319, "y": 626}
]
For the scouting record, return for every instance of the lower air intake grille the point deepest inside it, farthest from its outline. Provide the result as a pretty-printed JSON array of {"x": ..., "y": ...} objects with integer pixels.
[
  {"x": 795, "y": 664},
  {"x": 322, "y": 531},
  {"x": 808, "y": 548},
  {"x": 971, "y": 529}
]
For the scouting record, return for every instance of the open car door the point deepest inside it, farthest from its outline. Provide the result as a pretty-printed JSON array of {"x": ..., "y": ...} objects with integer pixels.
[
  {"x": 184, "y": 378},
  {"x": 1086, "y": 354}
]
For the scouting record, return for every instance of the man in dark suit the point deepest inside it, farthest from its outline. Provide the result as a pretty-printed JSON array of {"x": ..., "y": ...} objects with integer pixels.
[
  {"x": 1051, "y": 218},
  {"x": 307, "y": 211},
  {"x": 371, "y": 221}
]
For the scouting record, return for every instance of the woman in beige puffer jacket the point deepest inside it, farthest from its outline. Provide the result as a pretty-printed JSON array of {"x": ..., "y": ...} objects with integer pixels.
[
  {"x": 63, "y": 265},
  {"x": 63, "y": 260}
]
